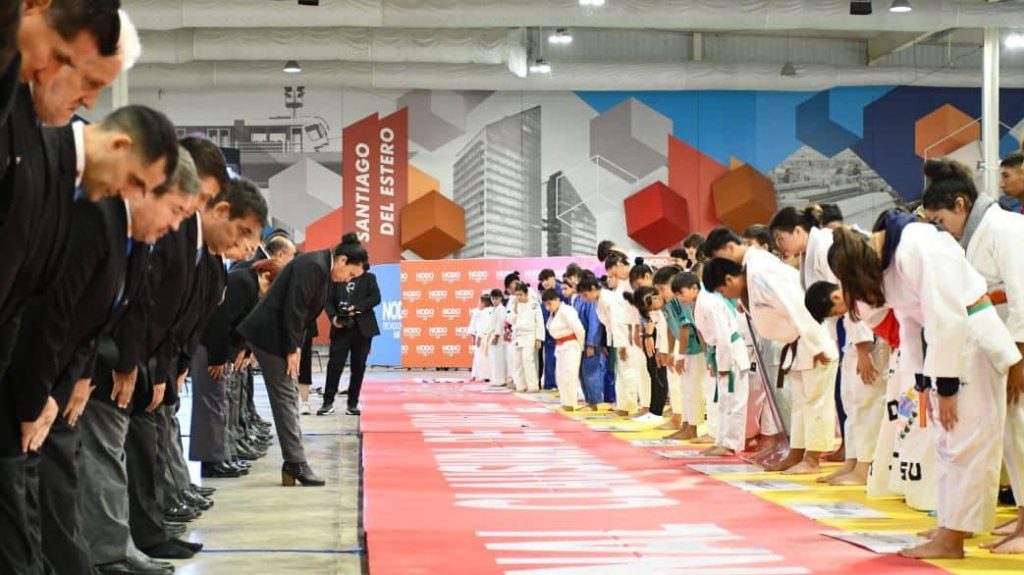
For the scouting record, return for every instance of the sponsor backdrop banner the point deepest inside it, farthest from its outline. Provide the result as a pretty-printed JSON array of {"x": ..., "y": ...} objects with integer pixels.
[
  {"x": 387, "y": 347},
  {"x": 439, "y": 296}
]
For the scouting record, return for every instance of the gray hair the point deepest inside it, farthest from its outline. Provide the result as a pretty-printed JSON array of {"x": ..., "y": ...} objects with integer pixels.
[{"x": 185, "y": 177}]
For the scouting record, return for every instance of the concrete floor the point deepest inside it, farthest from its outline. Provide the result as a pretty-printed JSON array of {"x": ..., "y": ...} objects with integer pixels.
[{"x": 257, "y": 526}]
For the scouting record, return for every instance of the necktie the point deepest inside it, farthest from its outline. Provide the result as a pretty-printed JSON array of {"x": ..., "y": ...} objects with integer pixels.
[
  {"x": 78, "y": 193},
  {"x": 119, "y": 300}
]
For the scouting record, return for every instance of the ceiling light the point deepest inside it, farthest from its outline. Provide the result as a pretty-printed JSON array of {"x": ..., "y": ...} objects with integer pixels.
[
  {"x": 788, "y": 69},
  {"x": 560, "y": 36},
  {"x": 292, "y": 67},
  {"x": 900, "y": 6},
  {"x": 860, "y": 7},
  {"x": 1014, "y": 40},
  {"x": 540, "y": 66},
  {"x": 591, "y": 2}
]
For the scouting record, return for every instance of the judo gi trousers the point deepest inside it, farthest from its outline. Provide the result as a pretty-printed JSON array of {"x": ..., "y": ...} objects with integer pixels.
[
  {"x": 627, "y": 378},
  {"x": 550, "y": 362},
  {"x": 524, "y": 375},
  {"x": 499, "y": 370},
  {"x": 732, "y": 410},
  {"x": 864, "y": 405},
  {"x": 813, "y": 416},
  {"x": 592, "y": 373},
  {"x": 567, "y": 357},
  {"x": 695, "y": 373}
]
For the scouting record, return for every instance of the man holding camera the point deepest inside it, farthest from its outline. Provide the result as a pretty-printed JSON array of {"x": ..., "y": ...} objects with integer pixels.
[{"x": 353, "y": 326}]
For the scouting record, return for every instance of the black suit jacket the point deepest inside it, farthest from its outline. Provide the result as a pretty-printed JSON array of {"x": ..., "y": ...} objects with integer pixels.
[
  {"x": 221, "y": 336},
  {"x": 278, "y": 322},
  {"x": 145, "y": 332},
  {"x": 24, "y": 181},
  {"x": 100, "y": 277},
  {"x": 363, "y": 293},
  {"x": 206, "y": 293}
]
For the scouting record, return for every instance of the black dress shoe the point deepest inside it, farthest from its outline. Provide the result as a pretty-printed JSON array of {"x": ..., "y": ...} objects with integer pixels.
[
  {"x": 343, "y": 392},
  {"x": 301, "y": 473},
  {"x": 194, "y": 547},
  {"x": 181, "y": 514},
  {"x": 203, "y": 490},
  {"x": 242, "y": 464},
  {"x": 197, "y": 501},
  {"x": 169, "y": 550},
  {"x": 218, "y": 470},
  {"x": 128, "y": 567},
  {"x": 353, "y": 411},
  {"x": 325, "y": 409}
]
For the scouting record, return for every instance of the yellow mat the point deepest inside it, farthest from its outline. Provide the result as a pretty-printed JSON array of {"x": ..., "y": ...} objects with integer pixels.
[{"x": 901, "y": 517}]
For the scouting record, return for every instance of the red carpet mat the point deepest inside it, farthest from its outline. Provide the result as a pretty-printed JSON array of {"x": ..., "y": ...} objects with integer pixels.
[{"x": 462, "y": 481}]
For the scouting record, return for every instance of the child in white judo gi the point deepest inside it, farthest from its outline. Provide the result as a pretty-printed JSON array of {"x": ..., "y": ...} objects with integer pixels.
[
  {"x": 864, "y": 375},
  {"x": 770, "y": 290},
  {"x": 566, "y": 329},
  {"x": 480, "y": 326},
  {"x": 527, "y": 338},
  {"x": 497, "y": 354}
]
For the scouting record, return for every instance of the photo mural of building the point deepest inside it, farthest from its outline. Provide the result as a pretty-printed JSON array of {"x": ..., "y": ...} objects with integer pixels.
[
  {"x": 571, "y": 226},
  {"x": 497, "y": 181}
]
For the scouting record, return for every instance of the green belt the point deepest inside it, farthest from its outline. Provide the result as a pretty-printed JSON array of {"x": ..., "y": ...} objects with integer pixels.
[
  {"x": 713, "y": 362},
  {"x": 735, "y": 336},
  {"x": 980, "y": 306}
]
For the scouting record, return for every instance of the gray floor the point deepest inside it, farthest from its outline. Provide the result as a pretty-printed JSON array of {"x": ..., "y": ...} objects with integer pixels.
[{"x": 257, "y": 526}]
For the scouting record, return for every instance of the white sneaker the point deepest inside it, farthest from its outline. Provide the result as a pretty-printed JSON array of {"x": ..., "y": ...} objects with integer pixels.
[
  {"x": 306, "y": 410},
  {"x": 649, "y": 418}
]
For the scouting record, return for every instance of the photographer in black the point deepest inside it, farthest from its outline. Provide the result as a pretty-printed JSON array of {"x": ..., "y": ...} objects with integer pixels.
[{"x": 353, "y": 325}]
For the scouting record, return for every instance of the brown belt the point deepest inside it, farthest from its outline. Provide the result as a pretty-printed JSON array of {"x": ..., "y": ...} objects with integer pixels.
[{"x": 566, "y": 339}]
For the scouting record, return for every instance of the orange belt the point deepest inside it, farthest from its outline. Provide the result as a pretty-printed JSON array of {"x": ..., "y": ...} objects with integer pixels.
[
  {"x": 566, "y": 339},
  {"x": 998, "y": 297}
]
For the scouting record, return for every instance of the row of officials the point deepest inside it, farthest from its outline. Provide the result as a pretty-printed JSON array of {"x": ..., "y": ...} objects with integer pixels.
[{"x": 113, "y": 287}]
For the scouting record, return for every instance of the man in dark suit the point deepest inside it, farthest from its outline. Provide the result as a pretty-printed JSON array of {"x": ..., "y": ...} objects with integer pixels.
[
  {"x": 104, "y": 427},
  {"x": 353, "y": 326},
  {"x": 231, "y": 226},
  {"x": 275, "y": 331},
  {"x": 106, "y": 261}
]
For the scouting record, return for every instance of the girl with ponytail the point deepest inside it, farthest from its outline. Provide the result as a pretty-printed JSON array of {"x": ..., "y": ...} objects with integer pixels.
[
  {"x": 797, "y": 235},
  {"x": 953, "y": 340},
  {"x": 991, "y": 238}
]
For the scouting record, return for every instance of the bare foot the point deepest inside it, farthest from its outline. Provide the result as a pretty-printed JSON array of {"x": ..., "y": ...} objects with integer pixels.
[
  {"x": 643, "y": 411},
  {"x": 850, "y": 480},
  {"x": 837, "y": 456},
  {"x": 568, "y": 408},
  {"x": 803, "y": 468},
  {"x": 1010, "y": 545},
  {"x": 718, "y": 451},
  {"x": 621, "y": 413},
  {"x": 791, "y": 459},
  {"x": 945, "y": 545},
  {"x": 667, "y": 426},
  {"x": 704, "y": 440},
  {"x": 1008, "y": 528},
  {"x": 847, "y": 467}
]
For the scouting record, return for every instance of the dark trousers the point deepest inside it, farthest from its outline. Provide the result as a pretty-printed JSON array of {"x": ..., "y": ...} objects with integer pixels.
[
  {"x": 209, "y": 433},
  {"x": 64, "y": 544},
  {"x": 549, "y": 364},
  {"x": 20, "y": 551},
  {"x": 346, "y": 342},
  {"x": 306, "y": 361},
  {"x": 145, "y": 481},
  {"x": 609, "y": 375},
  {"x": 284, "y": 404},
  {"x": 659, "y": 385}
]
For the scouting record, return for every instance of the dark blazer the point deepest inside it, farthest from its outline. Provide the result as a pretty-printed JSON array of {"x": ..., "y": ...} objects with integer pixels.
[
  {"x": 206, "y": 293},
  {"x": 9, "y": 81},
  {"x": 221, "y": 336},
  {"x": 101, "y": 276},
  {"x": 145, "y": 331},
  {"x": 278, "y": 322},
  {"x": 24, "y": 181},
  {"x": 364, "y": 294}
]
